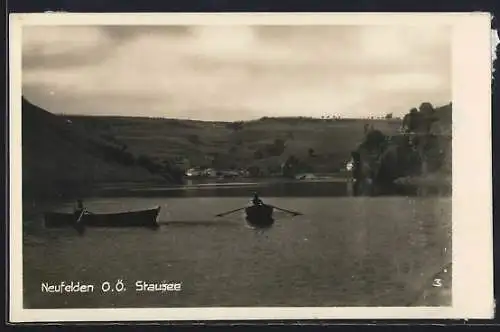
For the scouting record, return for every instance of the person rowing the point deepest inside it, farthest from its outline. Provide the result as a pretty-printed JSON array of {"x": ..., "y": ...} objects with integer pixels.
[{"x": 256, "y": 200}]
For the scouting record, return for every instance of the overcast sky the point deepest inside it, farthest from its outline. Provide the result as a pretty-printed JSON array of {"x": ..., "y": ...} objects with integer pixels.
[{"x": 235, "y": 72}]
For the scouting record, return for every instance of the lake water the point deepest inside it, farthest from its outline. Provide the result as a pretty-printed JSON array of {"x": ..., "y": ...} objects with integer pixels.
[{"x": 343, "y": 251}]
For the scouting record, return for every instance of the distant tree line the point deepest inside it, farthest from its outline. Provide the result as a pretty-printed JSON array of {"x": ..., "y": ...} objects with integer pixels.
[{"x": 238, "y": 125}]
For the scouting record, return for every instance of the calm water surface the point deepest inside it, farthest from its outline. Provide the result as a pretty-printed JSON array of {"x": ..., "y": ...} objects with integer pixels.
[{"x": 344, "y": 251}]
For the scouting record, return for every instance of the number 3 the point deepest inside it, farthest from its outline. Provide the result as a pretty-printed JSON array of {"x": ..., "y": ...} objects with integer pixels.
[{"x": 437, "y": 283}]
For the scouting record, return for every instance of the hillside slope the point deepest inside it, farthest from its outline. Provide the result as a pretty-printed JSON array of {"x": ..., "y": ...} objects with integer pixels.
[
  {"x": 60, "y": 159},
  {"x": 323, "y": 144}
]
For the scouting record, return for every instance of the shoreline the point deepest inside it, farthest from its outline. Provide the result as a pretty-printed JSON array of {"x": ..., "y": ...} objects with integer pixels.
[{"x": 316, "y": 187}]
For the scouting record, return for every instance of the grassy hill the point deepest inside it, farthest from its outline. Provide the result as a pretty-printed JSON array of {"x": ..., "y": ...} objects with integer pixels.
[
  {"x": 70, "y": 154},
  {"x": 61, "y": 158},
  {"x": 265, "y": 143}
]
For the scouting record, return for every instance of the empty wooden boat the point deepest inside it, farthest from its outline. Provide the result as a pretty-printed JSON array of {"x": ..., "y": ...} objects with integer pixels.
[{"x": 142, "y": 218}]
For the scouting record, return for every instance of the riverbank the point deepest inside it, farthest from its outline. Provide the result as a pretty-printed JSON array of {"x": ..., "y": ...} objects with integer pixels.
[
  {"x": 235, "y": 187},
  {"x": 332, "y": 187}
]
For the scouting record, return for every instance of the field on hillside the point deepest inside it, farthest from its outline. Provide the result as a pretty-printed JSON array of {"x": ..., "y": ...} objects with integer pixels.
[{"x": 325, "y": 145}]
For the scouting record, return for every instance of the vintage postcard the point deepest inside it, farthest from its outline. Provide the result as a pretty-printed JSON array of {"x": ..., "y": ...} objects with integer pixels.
[{"x": 250, "y": 166}]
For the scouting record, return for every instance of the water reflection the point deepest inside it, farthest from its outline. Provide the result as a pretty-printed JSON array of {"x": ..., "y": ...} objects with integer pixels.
[{"x": 277, "y": 189}]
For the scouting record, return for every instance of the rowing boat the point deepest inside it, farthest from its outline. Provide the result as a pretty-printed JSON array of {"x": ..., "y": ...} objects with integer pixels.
[
  {"x": 260, "y": 215},
  {"x": 143, "y": 218}
]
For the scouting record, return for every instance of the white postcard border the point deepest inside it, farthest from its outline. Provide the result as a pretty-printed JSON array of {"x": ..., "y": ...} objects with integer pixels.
[{"x": 472, "y": 182}]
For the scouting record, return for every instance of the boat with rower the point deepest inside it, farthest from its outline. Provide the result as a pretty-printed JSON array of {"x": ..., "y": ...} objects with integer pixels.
[
  {"x": 141, "y": 218},
  {"x": 259, "y": 215}
]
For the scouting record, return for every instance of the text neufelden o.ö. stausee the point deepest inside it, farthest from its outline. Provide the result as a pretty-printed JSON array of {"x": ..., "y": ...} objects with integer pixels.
[{"x": 105, "y": 287}]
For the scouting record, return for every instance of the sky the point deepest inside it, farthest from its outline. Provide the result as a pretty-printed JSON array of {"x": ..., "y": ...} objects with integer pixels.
[{"x": 229, "y": 73}]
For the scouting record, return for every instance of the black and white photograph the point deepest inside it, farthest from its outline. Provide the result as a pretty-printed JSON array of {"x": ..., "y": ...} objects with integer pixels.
[{"x": 263, "y": 165}]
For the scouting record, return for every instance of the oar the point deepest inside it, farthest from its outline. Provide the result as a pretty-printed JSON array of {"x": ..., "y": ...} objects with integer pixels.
[
  {"x": 78, "y": 224},
  {"x": 284, "y": 210},
  {"x": 80, "y": 217},
  {"x": 229, "y": 212}
]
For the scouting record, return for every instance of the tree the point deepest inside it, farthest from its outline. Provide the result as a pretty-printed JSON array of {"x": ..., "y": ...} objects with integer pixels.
[
  {"x": 426, "y": 108},
  {"x": 374, "y": 140},
  {"x": 428, "y": 117},
  {"x": 366, "y": 128},
  {"x": 279, "y": 143},
  {"x": 254, "y": 171},
  {"x": 258, "y": 154},
  {"x": 356, "y": 163},
  {"x": 388, "y": 116},
  {"x": 193, "y": 138},
  {"x": 420, "y": 120},
  {"x": 273, "y": 169},
  {"x": 172, "y": 172},
  {"x": 148, "y": 164},
  {"x": 289, "y": 167},
  {"x": 411, "y": 120},
  {"x": 277, "y": 148}
]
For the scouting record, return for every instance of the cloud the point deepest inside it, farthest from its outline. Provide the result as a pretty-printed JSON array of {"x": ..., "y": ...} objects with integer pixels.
[
  {"x": 127, "y": 32},
  {"x": 58, "y": 47},
  {"x": 236, "y": 72}
]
